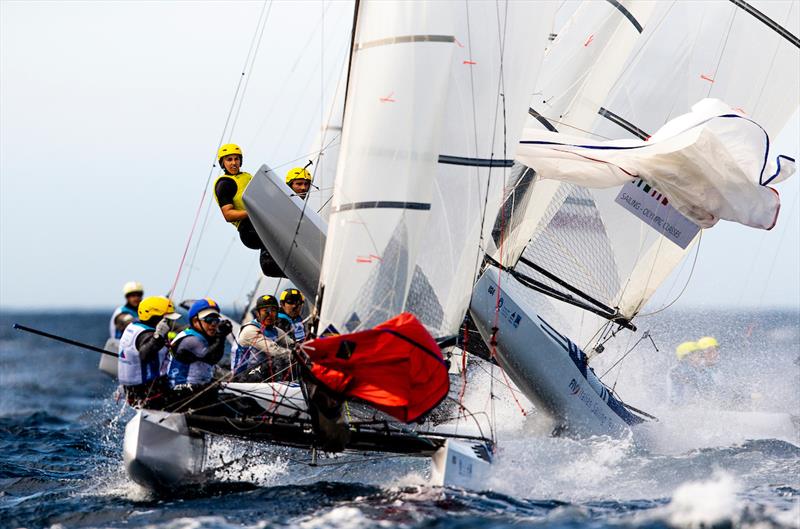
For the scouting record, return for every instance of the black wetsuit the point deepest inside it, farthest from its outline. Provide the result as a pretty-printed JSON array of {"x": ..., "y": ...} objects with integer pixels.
[{"x": 225, "y": 191}]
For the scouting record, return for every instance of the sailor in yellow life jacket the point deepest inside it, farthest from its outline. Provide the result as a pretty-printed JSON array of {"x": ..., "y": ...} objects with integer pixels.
[{"x": 228, "y": 190}]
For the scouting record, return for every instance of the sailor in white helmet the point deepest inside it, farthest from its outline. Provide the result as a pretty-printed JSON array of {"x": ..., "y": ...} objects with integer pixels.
[
  {"x": 126, "y": 314},
  {"x": 143, "y": 353}
]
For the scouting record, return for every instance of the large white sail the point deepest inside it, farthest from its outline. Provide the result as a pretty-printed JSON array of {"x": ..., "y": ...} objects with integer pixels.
[
  {"x": 437, "y": 98},
  {"x": 608, "y": 82}
]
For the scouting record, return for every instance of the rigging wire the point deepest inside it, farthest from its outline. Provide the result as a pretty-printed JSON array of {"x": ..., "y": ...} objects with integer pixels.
[
  {"x": 685, "y": 286},
  {"x": 213, "y": 165}
]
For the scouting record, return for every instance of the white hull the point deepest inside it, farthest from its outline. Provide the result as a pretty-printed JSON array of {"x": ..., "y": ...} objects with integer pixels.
[
  {"x": 108, "y": 364},
  {"x": 161, "y": 452},
  {"x": 545, "y": 365}
]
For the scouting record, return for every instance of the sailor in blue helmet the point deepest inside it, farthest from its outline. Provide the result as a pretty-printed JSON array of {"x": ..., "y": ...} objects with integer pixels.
[
  {"x": 262, "y": 355},
  {"x": 143, "y": 351},
  {"x": 193, "y": 354},
  {"x": 289, "y": 319},
  {"x": 126, "y": 314}
]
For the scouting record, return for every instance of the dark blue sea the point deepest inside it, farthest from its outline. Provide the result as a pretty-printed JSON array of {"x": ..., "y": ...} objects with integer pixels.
[{"x": 61, "y": 462}]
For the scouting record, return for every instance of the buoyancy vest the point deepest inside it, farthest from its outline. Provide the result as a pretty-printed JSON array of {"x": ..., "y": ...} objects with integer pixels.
[
  {"x": 113, "y": 332},
  {"x": 241, "y": 180},
  {"x": 245, "y": 356},
  {"x": 131, "y": 371},
  {"x": 298, "y": 329},
  {"x": 193, "y": 372}
]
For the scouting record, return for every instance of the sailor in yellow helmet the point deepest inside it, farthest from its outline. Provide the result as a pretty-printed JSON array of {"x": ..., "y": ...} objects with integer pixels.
[
  {"x": 299, "y": 180},
  {"x": 693, "y": 379},
  {"x": 710, "y": 347},
  {"x": 228, "y": 190},
  {"x": 290, "y": 320},
  {"x": 143, "y": 353}
]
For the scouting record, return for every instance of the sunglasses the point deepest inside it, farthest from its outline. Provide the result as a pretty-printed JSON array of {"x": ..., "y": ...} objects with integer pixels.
[
  {"x": 212, "y": 320},
  {"x": 294, "y": 302}
]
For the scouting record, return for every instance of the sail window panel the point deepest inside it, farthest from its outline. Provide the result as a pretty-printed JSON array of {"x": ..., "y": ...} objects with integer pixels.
[{"x": 574, "y": 246}]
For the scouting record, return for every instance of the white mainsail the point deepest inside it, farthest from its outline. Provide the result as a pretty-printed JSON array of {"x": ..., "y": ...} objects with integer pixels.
[
  {"x": 606, "y": 81},
  {"x": 437, "y": 97}
]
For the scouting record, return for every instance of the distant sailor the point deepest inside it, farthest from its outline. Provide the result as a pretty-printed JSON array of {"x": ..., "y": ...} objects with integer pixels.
[
  {"x": 193, "y": 354},
  {"x": 143, "y": 351},
  {"x": 289, "y": 319},
  {"x": 299, "y": 180},
  {"x": 692, "y": 379},
  {"x": 262, "y": 356},
  {"x": 126, "y": 314},
  {"x": 228, "y": 191}
]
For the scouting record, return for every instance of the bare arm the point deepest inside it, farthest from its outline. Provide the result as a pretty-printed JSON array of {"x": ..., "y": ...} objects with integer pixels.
[{"x": 232, "y": 214}]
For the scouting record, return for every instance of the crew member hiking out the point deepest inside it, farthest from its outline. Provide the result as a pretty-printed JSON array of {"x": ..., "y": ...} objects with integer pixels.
[
  {"x": 143, "y": 351},
  {"x": 263, "y": 354},
  {"x": 299, "y": 180},
  {"x": 126, "y": 314},
  {"x": 289, "y": 319},
  {"x": 228, "y": 190}
]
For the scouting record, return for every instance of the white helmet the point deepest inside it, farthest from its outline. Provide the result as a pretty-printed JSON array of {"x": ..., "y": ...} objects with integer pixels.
[{"x": 131, "y": 287}]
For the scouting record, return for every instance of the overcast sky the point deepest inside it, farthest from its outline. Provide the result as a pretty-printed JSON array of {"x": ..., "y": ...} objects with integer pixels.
[{"x": 110, "y": 114}]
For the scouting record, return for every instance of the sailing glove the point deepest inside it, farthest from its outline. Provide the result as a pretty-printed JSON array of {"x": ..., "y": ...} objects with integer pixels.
[
  {"x": 162, "y": 329},
  {"x": 224, "y": 328}
]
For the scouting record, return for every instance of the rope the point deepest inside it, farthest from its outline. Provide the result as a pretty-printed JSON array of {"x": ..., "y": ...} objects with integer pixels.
[{"x": 213, "y": 165}]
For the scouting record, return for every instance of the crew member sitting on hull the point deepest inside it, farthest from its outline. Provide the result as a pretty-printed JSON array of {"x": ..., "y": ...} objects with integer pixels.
[
  {"x": 126, "y": 314},
  {"x": 289, "y": 319},
  {"x": 143, "y": 351},
  {"x": 262, "y": 356},
  {"x": 299, "y": 180},
  {"x": 228, "y": 190},
  {"x": 193, "y": 354}
]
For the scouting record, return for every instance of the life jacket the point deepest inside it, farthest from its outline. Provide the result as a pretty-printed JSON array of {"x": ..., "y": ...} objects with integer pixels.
[
  {"x": 296, "y": 326},
  {"x": 192, "y": 372},
  {"x": 241, "y": 180},
  {"x": 131, "y": 371},
  {"x": 244, "y": 356},
  {"x": 113, "y": 332}
]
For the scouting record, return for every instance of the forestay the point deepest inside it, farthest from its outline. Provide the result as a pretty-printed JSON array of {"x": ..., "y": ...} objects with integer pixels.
[
  {"x": 437, "y": 98},
  {"x": 617, "y": 71}
]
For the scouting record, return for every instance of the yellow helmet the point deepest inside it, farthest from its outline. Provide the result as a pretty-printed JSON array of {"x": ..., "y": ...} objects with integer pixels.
[
  {"x": 153, "y": 306},
  {"x": 685, "y": 348},
  {"x": 229, "y": 148},
  {"x": 298, "y": 173},
  {"x": 292, "y": 295},
  {"x": 132, "y": 287},
  {"x": 707, "y": 341}
]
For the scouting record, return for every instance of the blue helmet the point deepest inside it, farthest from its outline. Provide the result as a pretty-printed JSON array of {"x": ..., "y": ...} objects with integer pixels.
[{"x": 203, "y": 305}]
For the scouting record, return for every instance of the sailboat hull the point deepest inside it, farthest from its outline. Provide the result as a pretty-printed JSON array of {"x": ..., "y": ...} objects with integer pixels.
[
  {"x": 108, "y": 364},
  {"x": 160, "y": 452},
  {"x": 546, "y": 366},
  {"x": 164, "y": 451}
]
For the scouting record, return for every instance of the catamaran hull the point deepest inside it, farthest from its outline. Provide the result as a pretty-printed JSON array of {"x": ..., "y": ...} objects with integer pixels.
[
  {"x": 546, "y": 366},
  {"x": 108, "y": 364},
  {"x": 162, "y": 452}
]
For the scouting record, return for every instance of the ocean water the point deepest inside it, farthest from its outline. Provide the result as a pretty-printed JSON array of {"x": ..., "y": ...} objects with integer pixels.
[{"x": 61, "y": 462}]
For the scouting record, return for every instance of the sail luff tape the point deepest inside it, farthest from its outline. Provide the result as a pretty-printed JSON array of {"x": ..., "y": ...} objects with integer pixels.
[{"x": 405, "y": 39}]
